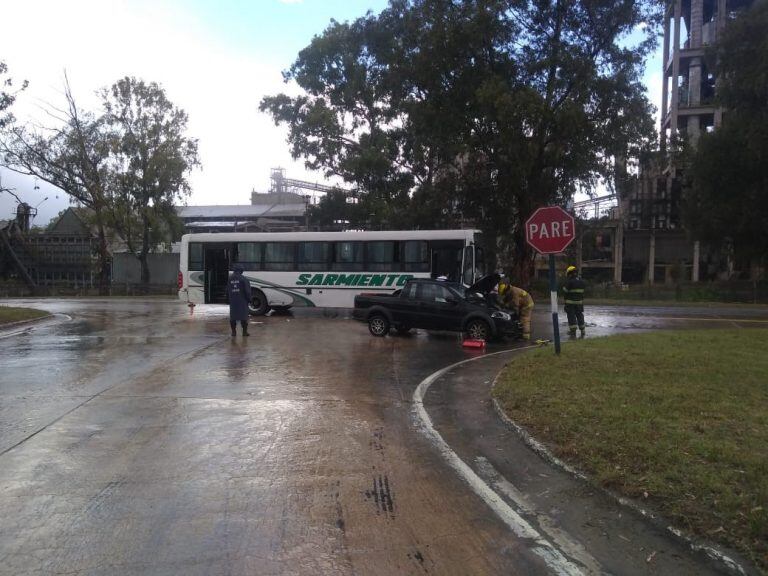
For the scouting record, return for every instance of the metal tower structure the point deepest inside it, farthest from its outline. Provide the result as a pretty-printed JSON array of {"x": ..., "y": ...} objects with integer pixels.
[
  {"x": 688, "y": 88},
  {"x": 281, "y": 184}
]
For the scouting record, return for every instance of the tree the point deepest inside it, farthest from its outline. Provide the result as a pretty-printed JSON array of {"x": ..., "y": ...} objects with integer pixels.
[
  {"x": 149, "y": 159},
  {"x": 726, "y": 205},
  {"x": 74, "y": 158},
  {"x": 7, "y": 95},
  {"x": 7, "y": 98},
  {"x": 127, "y": 165},
  {"x": 344, "y": 126},
  {"x": 481, "y": 110},
  {"x": 337, "y": 209}
]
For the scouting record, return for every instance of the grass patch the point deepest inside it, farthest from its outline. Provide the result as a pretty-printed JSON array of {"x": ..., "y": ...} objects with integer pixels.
[
  {"x": 678, "y": 420},
  {"x": 8, "y": 314}
]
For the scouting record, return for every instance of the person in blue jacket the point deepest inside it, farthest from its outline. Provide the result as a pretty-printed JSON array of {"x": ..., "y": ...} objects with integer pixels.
[{"x": 239, "y": 295}]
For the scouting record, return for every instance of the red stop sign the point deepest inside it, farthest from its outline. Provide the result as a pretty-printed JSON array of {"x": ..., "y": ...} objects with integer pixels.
[{"x": 550, "y": 229}]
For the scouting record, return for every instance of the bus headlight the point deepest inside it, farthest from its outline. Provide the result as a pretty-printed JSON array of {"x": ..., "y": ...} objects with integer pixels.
[{"x": 501, "y": 315}]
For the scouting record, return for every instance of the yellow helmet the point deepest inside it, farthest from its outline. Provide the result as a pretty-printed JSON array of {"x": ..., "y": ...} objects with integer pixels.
[{"x": 570, "y": 269}]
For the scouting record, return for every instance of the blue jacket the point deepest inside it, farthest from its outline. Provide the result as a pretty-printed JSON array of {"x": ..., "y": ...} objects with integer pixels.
[{"x": 239, "y": 295}]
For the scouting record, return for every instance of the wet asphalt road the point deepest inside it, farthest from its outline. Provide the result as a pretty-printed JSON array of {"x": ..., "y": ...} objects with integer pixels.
[{"x": 136, "y": 438}]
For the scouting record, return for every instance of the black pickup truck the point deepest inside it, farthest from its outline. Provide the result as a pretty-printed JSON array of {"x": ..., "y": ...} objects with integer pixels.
[{"x": 438, "y": 305}]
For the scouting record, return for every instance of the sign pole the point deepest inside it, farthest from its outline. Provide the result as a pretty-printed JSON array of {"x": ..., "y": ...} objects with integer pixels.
[
  {"x": 553, "y": 300},
  {"x": 549, "y": 230}
]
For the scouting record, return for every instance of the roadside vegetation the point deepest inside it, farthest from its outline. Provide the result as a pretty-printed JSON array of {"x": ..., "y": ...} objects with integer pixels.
[
  {"x": 9, "y": 314},
  {"x": 676, "y": 420}
]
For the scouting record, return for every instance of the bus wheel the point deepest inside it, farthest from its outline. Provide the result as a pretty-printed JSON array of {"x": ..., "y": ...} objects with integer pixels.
[
  {"x": 258, "y": 305},
  {"x": 378, "y": 325}
]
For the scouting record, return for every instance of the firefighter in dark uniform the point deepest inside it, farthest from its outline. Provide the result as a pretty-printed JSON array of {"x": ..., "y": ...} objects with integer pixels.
[
  {"x": 574, "y": 301},
  {"x": 239, "y": 295}
]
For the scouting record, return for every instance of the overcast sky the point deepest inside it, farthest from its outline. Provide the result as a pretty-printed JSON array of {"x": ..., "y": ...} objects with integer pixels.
[{"x": 216, "y": 59}]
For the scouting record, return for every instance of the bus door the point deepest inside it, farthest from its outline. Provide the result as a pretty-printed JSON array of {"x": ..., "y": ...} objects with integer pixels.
[
  {"x": 468, "y": 266},
  {"x": 446, "y": 259},
  {"x": 473, "y": 265},
  {"x": 216, "y": 258}
]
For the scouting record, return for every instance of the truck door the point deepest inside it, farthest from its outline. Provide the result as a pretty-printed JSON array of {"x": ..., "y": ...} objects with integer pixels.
[
  {"x": 405, "y": 308},
  {"x": 439, "y": 308}
]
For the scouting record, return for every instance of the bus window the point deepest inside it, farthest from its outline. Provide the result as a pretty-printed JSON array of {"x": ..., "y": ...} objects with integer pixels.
[
  {"x": 414, "y": 254},
  {"x": 348, "y": 256},
  {"x": 195, "y": 256},
  {"x": 314, "y": 255},
  {"x": 279, "y": 256},
  {"x": 249, "y": 255},
  {"x": 381, "y": 257}
]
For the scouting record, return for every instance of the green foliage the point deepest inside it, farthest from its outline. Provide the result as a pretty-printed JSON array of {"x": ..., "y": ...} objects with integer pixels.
[
  {"x": 742, "y": 63},
  {"x": 441, "y": 112},
  {"x": 727, "y": 204},
  {"x": 150, "y": 157},
  {"x": 7, "y": 95},
  {"x": 7, "y": 98},
  {"x": 337, "y": 211},
  {"x": 127, "y": 165}
]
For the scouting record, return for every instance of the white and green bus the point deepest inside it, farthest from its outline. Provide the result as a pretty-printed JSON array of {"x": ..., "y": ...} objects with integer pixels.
[{"x": 323, "y": 269}]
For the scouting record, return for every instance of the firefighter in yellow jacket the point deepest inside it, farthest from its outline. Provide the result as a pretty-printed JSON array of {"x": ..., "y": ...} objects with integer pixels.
[{"x": 517, "y": 299}]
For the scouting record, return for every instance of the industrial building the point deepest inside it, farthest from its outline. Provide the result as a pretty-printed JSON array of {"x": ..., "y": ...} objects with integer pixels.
[
  {"x": 62, "y": 255},
  {"x": 642, "y": 239},
  {"x": 284, "y": 208}
]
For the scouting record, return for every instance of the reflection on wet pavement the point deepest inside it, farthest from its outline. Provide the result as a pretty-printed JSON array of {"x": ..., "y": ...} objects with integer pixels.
[{"x": 140, "y": 438}]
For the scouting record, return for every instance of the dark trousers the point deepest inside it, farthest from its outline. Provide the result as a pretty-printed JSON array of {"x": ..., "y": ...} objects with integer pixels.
[
  {"x": 243, "y": 323},
  {"x": 575, "y": 313}
]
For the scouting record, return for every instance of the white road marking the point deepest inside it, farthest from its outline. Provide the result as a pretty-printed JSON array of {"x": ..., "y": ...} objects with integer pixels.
[
  {"x": 553, "y": 558},
  {"x": 563, "y": 540}
]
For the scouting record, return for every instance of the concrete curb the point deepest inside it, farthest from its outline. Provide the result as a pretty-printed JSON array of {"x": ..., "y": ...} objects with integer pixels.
[
  {"x": 720, "y": 558},
  {"x": 550, "y": 554}
]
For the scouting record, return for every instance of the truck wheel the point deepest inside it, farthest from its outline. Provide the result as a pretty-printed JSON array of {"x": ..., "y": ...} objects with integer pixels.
[
  {"x": 478, "y": 329},
  {"x": 258, "y": 305},
  {"x": 378, "y": 325}
]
